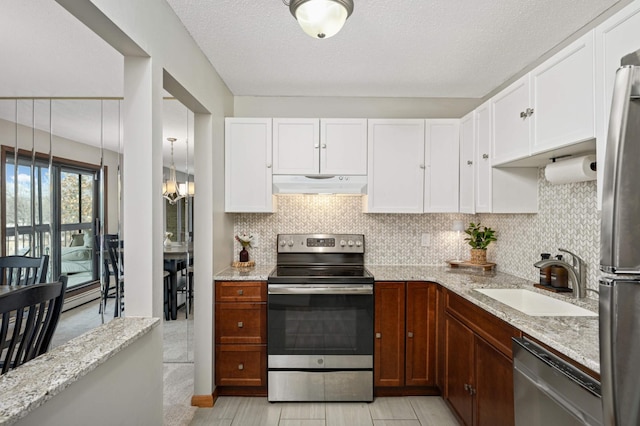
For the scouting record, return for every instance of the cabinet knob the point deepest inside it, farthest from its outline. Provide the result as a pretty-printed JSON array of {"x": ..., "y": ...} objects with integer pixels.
[
  {"x": 316, "y": 146},
  {"x": 240, "y": 324},
  {"x": 467, "y": 387},
  {"x": 469, "y": 163},
  {"x": 410, "y": 334},
  {"x": 529, "y": 112},
  {"x": 472, "y": 391},
  {"x": 268, "y": 166},
  {"x": 485, "y": 156},
  {"x": 378, "y": 335},
  {"x": 324, "y": 145},
  {"x": 523, "y": 114},
  {"x": 241, "y": 366},
  {"x": 240, "y": 292},
  {"x": 422, "y": 166}
]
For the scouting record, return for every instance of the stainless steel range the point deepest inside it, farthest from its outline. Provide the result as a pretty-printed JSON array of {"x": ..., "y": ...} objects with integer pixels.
[{"x": 320, "y": 320}]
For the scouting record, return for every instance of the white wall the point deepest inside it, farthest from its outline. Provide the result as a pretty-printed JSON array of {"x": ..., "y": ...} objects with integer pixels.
[
  {"x": 352, "y": 107},
  {"x": 159, "y": 53}
]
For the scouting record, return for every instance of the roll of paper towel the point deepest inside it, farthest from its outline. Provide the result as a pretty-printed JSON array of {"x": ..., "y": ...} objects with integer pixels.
[{"x": 577, "y": 169}]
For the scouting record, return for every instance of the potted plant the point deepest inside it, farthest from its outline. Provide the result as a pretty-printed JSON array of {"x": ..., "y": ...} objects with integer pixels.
[{"x": 479, "y": 237}]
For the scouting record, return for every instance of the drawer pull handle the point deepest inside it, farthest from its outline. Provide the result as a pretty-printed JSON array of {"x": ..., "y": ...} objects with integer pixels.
[
  {"x": 240, "y": 366},
  {"x": 240, "y": 292},
  {"x": 485, "y": 156},
  {"x": 240, "y": 324},
  {"x": 378, "y": 335},
  {"x": 410, "y": 334}
]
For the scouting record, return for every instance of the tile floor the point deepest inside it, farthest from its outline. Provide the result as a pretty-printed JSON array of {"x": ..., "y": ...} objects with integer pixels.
[{"x": 395, "y": 411}]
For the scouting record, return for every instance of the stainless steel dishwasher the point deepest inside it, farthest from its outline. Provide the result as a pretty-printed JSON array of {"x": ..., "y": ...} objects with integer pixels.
[{"x": 549, "y": 392}]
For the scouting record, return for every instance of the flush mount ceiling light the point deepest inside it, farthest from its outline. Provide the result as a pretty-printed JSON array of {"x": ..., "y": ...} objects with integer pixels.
[{"x": 320, "y": 18}]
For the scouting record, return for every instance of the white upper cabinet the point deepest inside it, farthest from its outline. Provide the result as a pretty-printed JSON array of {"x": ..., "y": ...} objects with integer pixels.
[
  {"x": 563, "y": 97},
  {"x": 511, "y": 111},
  {"x": 467, "y": 163},
  {"x": 395, "y": 166},
  {"x": 303, "y": 146},
  {"x": 483, "y": 168},
  {"x": 441, "y": 173},
  {"x": 248, "y": 179},
  {"x": 343, "y": 146},
  {"x": 615, "y": 38},
  {"x": 296, "y": 146}
]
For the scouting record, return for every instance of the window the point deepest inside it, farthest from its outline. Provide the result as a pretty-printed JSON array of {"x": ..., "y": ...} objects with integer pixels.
[{"x": 52, "y": 210}]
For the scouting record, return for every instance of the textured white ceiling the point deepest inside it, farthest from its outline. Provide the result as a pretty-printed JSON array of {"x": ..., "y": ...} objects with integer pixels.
[{"x": 401, "y": 48}]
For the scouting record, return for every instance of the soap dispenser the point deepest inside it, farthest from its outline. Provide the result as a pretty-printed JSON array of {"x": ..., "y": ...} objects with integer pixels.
[
  {"x": 559, "y": 275},
  {"x": 545, "y": 273}
]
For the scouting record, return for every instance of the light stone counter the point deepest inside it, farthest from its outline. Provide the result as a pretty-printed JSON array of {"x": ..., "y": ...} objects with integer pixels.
[
  {"x": 575, "y": 337},
  {"x": 256, "y": 273},
  {"x": 29, "y": 386}
]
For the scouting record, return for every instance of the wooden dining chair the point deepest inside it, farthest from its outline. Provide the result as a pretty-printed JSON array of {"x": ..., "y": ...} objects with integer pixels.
[
  {"x": 23, "y": 270},
  {"x": 28, "y": 318},
  {"x": 108, "y": 291},
  {"x": 116, "y": 256}
]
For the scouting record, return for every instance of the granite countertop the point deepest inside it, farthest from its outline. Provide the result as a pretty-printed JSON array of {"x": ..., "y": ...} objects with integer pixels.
[
  {"x": 575, "y": 337},
  {"x": 27, "y": 387}
]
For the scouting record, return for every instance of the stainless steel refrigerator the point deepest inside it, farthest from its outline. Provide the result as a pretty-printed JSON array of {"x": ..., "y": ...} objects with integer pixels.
[{"x": 620, "y": 253}]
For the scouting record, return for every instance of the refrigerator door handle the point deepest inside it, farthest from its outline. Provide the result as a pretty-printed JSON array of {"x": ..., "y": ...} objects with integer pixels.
[{"x": 606, "y": 357}]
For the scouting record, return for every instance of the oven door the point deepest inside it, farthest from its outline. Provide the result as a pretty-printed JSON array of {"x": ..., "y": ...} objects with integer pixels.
[{"x": 313, "y": 326}]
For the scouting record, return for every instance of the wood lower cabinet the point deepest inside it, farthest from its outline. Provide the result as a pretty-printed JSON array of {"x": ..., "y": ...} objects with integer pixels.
[
  {"x": 241, "y": 337},
  {"x": 405, "y": 331},
  {"x": 478, "y": 364}
]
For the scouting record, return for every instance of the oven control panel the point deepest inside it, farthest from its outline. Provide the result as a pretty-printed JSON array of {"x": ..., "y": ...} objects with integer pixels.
[{"x": 320, "y": 243}]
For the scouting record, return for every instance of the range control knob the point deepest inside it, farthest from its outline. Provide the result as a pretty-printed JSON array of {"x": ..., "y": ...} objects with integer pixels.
[
  {"x": 358, "y": 243},
  {"x": 290, "y": 243},
  {"x": 283, "y": 243},
  {"x": 350, "y": 243},
  {"x": 343, "y": 243}
]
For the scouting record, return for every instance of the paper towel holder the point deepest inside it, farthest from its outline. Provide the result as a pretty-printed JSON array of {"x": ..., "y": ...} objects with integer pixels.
[
  {"x": 574, "y": 169},
  {"x": 593, "y": 165}
]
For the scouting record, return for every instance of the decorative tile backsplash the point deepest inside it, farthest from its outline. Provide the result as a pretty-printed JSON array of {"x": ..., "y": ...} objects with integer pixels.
[{"x": 567, "y": 218}]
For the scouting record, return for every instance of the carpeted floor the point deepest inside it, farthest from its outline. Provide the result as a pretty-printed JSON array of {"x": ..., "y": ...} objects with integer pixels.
[{"x": 177, "y": 355}]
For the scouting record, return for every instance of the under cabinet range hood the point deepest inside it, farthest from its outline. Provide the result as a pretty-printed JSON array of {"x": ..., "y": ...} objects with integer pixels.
[{"x": 288, "y": 184}]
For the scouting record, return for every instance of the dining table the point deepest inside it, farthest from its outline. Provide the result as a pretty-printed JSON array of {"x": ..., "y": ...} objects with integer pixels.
[{"x": 176, "y": 254}]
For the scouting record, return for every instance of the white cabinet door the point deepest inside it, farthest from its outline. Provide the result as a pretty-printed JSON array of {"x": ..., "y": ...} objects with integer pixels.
[
  {"x": 563, "y": 97},
  {"x": 395, "y": 166},
  {"x": 484, "y": 182},
  {"x": 296, "y": 146},
  {"x": 615, "y": 38},
  {"x": 343, "y": 146},
  {"x": 467, "y": 157},
  {"x": 511, "y": 122},
  {"x": 248, "y": 165},
  {"x": 442, "y": 158}
]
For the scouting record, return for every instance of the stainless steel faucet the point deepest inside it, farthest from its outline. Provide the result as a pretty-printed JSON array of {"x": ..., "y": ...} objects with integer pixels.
[{"x": 576, "y": 272}]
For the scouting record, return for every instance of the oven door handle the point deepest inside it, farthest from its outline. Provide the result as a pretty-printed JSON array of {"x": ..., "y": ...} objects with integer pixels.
[{"x": 287, "y": 289}]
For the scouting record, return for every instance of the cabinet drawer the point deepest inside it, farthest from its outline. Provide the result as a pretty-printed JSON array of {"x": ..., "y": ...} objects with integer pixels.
[
  {"x": 495, "y": 331},
  {"x": 238, "y": 365},
  {"x": 241, "y": 323},
  {"x": 241, "y": 291}
]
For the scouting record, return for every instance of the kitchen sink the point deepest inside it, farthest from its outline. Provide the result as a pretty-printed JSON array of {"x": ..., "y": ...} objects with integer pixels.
[{"x": 535, "y": 304}]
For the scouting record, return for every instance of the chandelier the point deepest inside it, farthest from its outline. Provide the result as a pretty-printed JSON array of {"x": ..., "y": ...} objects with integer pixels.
[
  {"x": 171, "y": 189},
  {"x": 320, "y": 18}
]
